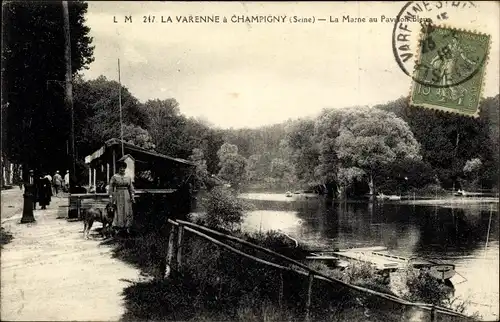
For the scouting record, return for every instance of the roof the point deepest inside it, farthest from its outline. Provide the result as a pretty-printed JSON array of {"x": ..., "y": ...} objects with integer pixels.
[{"x": 135, "y": 150}]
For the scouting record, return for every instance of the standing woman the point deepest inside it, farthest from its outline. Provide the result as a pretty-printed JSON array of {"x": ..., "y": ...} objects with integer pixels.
[
  {"x": 121, "y": 193},
  {"x": 44, "y": 190}
]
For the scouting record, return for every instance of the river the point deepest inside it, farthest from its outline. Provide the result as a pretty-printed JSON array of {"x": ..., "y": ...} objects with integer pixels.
[{"x": 454, "y": 231}]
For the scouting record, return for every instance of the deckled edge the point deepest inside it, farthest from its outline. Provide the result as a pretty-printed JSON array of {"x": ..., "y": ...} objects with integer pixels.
[{"x": 447, "y": 110}]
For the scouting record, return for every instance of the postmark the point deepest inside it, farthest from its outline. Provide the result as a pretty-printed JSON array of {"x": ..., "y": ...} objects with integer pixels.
[
  {"x": 449, "y": 71},
  {"x": 415, "y": 17}
]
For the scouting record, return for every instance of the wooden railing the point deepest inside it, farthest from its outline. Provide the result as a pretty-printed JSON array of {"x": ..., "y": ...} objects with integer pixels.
[{"x": 176, "y": 246}]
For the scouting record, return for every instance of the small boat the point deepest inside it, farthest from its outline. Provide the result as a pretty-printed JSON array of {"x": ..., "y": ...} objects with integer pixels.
[
  {"x": 381, "y": 196},
  {"x": 439, "y": 271},
  {"x": 326, "y": 258}
]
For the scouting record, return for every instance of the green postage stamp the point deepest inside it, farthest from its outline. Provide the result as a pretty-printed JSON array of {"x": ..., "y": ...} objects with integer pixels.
[{"x": 449, "y": 72}]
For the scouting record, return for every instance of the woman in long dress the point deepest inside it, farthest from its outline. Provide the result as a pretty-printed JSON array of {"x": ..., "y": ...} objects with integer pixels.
[
  {"x": 121, "y": 193},
  {"x": 44, "y": 192}
]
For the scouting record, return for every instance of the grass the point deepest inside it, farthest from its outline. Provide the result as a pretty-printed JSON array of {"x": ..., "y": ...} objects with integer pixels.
[
  {"x": 215, "y": 284},
  {"x": 218, "y": 285}
]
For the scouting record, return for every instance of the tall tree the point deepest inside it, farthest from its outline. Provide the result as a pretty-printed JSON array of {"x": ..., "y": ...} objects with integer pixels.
[
  {"x": 232, "y": 164},
  {"x": 201, "y": 167},
  {"x": 300, "y": 147},
  {"x": 370, "y": 139},
  {"x": 97, "y": 110},
  {"x": 166, "y": 125},
  {"x": 35, "y": 120}
]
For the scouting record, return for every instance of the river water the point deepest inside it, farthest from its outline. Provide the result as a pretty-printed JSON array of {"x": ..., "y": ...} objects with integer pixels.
[{"x": 454, "y": 231}]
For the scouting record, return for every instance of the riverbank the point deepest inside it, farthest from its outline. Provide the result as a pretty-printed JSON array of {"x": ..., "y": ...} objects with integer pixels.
[
  {"x": 217, "y": 284},
  {"x": 49, "y": 272}
]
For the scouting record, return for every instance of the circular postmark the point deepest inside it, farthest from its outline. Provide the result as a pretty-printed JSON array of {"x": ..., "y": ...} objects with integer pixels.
[{"x": 446, "y": 57}]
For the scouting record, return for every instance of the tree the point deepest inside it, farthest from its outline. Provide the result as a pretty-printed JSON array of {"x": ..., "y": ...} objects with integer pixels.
[
  {"x": 223, "y": 210},
  {"x": 472, "y": 168},
  {"x": 300, "y": 148},
  {"x": 232, "y": 165},
  {"x": 97, "y": 108},
  {"x": 138, "y": 136},
  {"x": 282, "y": 171},
  {"x": 253, "y": 169},
  {"x": 166, "y": 125},
  {"x": 201, "y": 167},
  {"x": 326, "y": 131},
  {"x": 370, "y": 138},
  {"x": 449, "y": 140},
  {"x": 35, "y": 121}
]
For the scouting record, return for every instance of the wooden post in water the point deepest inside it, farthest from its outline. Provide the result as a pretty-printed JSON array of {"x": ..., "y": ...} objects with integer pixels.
[
  {"x": 180, "y": 233},
  {"x": 309, "y": 295}
]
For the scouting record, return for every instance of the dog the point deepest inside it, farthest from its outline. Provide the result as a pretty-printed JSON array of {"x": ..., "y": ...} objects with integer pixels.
[{"x": 96, "y": 214}]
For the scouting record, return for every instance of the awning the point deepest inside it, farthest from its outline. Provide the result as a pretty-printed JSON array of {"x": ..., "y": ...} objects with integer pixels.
[
  {"x": 134, "y": 150},
  {"x": 94, "y": 155}
]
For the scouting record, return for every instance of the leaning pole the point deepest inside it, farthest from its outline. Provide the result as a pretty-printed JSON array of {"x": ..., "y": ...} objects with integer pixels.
[{"x": 68, "y": 99}]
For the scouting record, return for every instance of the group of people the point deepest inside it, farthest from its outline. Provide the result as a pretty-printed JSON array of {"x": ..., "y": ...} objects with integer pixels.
[
  {"x": 47, "y": 186},
  {"x": 58, "y": 183}
]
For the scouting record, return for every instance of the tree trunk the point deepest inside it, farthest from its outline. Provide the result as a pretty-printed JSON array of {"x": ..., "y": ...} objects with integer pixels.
[
  {"x": 371, "y": 185},
  {"x": 329, "y": 192},
  {"x": 341, "y": 192}
]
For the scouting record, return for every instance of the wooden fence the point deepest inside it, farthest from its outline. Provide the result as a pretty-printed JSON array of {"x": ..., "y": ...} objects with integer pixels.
[{"x": 175, "y": 260}]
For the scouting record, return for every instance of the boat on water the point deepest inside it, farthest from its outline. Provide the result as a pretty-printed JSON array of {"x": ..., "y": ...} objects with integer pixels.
[
  {"x": 381, "y": 196},
  {"x": 383, "y": 262},
  {"x": 388, "y": 262}
]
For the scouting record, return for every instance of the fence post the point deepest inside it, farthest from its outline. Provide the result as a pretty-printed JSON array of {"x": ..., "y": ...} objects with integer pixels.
[
  {"x": 433, "y": 314},
  {"x": 280, "y": 291},
  {"x": 180, "y": 233},
  {"x": 309, "y": 294},
  {"x": 170, "y": 250}
]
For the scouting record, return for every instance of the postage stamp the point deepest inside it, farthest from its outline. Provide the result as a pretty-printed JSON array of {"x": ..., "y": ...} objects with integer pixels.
[{"x": 450, "y": 69}]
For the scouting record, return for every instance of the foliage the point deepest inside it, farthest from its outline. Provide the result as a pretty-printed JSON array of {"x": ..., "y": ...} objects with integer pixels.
[
  {"x": 370, "y": 139},
  {"x": 33, "y": 75},
  {"x": 97, "y": 108},
  {"x": 282, "y": 171},
  {"x": 223, "y": 209},
  {"x": 201, "y": 167},
  {"x": 449, "y": 140},
  {"x": 165, "y": 125},
  {"x": 232, "y": 165},
  {"x": 299, "y": 147},
  {"x": 138, "y": 136},
  {"x": 472, "y": 165},
  {"x": 421, "y": 287}
]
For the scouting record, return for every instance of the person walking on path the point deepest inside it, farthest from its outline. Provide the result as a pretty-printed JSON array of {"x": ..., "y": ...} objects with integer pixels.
[
  {"x": 66, "y": 181},
  {"x": 121, "y": 193},
  {"x": 44, "y": 191},
  {"x": 57, "y": 182}
]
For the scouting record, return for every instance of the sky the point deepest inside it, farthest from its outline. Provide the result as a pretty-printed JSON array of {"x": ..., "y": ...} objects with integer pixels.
[{"x": 252, "y": 74}]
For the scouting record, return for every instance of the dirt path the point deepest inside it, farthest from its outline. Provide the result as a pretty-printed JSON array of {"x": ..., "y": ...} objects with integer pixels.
[{"x": 49, "y": 272}]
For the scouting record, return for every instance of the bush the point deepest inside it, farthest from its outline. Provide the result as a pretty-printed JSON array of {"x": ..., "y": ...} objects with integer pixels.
[
  {"x": 223, "y": 209},
  {"x": 421, "y": 287},
  {"x": 431, "y": 190}
]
